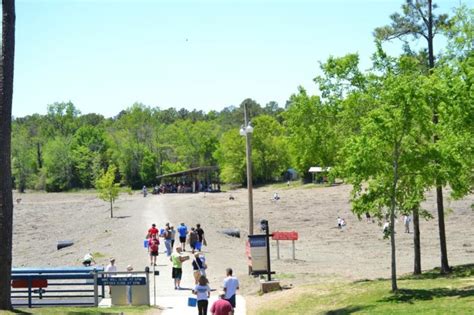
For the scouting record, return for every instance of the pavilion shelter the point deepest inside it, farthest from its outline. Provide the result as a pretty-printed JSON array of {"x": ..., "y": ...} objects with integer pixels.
[{"x": 203, "y": 178}]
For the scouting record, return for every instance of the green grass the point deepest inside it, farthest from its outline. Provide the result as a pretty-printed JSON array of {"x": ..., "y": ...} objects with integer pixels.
[
  {"x": 430, "y": 293},
  {"x": 98, "y": 255},
  {"x": 80, "y": 310}
]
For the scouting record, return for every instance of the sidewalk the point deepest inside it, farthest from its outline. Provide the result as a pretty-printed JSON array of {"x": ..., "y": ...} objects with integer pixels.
[
  {"x": 169, "y": 300},
  {"x": 176, "y": 301}
]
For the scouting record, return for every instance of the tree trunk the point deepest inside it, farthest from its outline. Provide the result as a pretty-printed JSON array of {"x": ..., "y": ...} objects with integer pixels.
[
  {"x": 416, "y": 241},
  {"x": 39, "y": 157},
  {"x": 6, "y": 200},
  {"x": 393, "y": 205},
  {"x": 439, "y": 189},
  {"x": 442, "y": 233}
]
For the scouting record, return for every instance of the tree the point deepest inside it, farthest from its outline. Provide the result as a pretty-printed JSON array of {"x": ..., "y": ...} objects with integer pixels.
[
  {"x": 23, "y": 157},
  {"x": 311, "y": 133},
  {"x": 230, "y": 156},
  {"x": 418, "y": 21},
  {"x": 107, "y": 188},
  {"x": 6, "y": 202},
  {"x": 386, "y": 151},
  {"x": 270, "y": 156},
  {"x": 59, "y": 165}
]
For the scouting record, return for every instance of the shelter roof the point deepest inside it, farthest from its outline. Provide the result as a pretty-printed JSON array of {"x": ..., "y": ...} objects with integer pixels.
[
  {"x": 195, "y": 170},
  {"x": 319, "y": 169}
]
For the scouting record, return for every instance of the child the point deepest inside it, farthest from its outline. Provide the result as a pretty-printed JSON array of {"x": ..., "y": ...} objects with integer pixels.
[{"x": 153, "y": 248}]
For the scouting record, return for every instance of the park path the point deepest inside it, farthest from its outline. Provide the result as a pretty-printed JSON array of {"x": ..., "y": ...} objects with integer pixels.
[{"x": 172, "y": 301}]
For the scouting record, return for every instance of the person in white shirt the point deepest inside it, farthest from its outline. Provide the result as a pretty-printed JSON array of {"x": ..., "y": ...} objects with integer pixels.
[
  {"x": 88, "y": 260},
  {"x": 406, "y": 222},
  {"x": 203, "y": 292},
  {"x": 111, "y": 268},
  {"x": 231, "y": 285}
]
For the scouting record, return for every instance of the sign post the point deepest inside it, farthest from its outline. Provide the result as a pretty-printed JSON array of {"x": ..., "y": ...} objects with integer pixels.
[
  {"x": 285, "y": 236},
  {"x": 259, "y": 251}
]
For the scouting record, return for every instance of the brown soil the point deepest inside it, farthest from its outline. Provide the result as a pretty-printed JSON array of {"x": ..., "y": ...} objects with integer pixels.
[{"x": 323, "y": 251}]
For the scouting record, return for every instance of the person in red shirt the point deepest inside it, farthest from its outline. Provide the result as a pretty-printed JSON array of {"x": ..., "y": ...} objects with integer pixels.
[
  {"x": 152, "y": 231},
  {"x": 221, "y": 306},
  {"x": 153, "y": 248}
]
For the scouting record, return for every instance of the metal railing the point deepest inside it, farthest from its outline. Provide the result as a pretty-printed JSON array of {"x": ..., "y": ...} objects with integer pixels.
[{"x": 56, "y": 286}]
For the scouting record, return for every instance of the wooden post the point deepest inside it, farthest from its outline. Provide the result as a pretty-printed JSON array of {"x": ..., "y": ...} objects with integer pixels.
[
  {"x": 293, "y": 249},
  {"x": 278, "y": 249}
]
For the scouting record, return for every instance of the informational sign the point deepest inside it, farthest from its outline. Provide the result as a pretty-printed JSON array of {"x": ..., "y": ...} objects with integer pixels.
[
  {"x": 285, "y": 236},
  {"x": 258, "y": 252},
  {"x": 122, "y": 281}
]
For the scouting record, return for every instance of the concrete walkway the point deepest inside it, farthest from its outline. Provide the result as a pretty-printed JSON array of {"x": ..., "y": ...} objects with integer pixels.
[{"x": 169, "y": 300}]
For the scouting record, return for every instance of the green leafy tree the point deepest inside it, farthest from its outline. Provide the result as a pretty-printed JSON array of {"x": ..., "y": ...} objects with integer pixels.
[
  {"x": 88, "y": 146},
  {"x": 107, "y": 188},
  {"x": 58, "y": 164},
  {"x": 418, "y": 21},
  {"x": 230, "y": 156},
  {"x": 311, "y": 134},
  {"x": 270, "y": 155},
  {"x": 24, "y": 165},
  {"x": 387, "y": 149}
]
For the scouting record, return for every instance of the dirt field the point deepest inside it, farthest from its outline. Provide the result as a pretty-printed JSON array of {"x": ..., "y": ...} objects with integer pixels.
[{"x": 323, "y": 252}]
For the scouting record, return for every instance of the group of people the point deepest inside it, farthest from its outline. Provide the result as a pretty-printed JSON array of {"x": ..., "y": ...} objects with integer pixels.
[
  {"x": 226, "y": 303},
  {"x": 195, "y": 238}
]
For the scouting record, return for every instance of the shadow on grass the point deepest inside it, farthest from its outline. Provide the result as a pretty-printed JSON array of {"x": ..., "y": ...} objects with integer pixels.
[
  {"x": 461, "y": 271},
  {"x": 346, "y": 310},
  {"x": 412, "y": 295}
]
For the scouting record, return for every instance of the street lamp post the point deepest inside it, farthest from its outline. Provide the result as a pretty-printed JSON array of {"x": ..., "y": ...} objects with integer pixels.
[{"x": 247, "y": 131}]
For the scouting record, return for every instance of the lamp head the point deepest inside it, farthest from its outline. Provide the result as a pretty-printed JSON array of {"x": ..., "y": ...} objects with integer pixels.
[
  {"x": 242, "y": 131},
  {"x": 249, "y": 128}
]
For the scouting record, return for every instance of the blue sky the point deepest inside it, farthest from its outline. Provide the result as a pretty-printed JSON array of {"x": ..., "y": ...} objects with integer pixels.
[{"x": 104, "y": 55}]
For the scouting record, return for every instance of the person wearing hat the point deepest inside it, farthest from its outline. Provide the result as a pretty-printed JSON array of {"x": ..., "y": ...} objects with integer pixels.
[{"x": 221, "y": 306}]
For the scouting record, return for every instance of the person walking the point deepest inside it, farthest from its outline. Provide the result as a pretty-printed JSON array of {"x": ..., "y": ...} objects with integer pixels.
[
  {"x": 154, "y": 244},
  {"x": 173, "y": 236},
  {"x": 183, "y": 232},
  {"x": 201, "y": 238},
  {"x": 221, "y": 306},
  {"x": 177, "y": 272},
  {"x": 230, "y": 285},
  {"x": 167, "y": 237},
  {"x": 203, "y": 292},
  {"x": 199, "y": 268},
  {"x": 144, "y": 191},
  {"x": 193, "y": 239},
  {"x": 152, "y": 231}
]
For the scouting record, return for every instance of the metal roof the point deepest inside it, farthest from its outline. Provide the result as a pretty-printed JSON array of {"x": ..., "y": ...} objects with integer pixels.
[{"x": 190, "y": 171}]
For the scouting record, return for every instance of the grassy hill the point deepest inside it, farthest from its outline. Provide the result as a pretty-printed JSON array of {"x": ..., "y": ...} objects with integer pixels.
[{"x": 430, "y": 293}]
